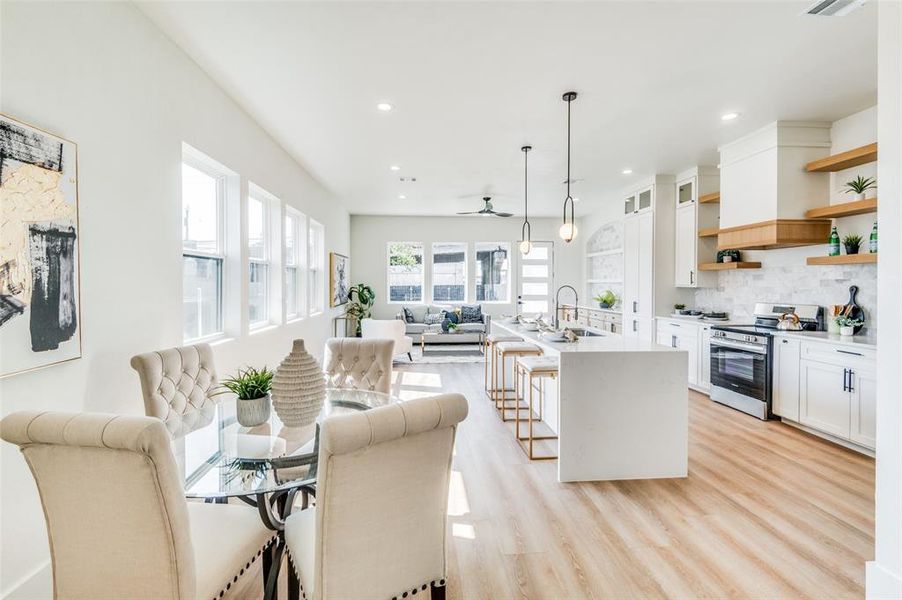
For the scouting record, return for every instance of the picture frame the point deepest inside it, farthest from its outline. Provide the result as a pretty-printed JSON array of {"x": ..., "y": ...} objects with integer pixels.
[{"x": 339, "y": 279}]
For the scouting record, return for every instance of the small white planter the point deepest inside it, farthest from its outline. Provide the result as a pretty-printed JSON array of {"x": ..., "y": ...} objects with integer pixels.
[
  {"x": 846, "y": 331},
  {"x": 254, "y": 412}
]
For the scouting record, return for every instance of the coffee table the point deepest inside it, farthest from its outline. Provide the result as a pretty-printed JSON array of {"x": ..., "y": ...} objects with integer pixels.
[{"x": 435, "y": 337}]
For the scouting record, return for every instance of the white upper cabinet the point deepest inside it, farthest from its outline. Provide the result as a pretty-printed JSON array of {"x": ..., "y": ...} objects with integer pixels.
[
  {"x": 686, "y": 192},
  {"x": 690, "y": 220},
  {"x": 686, "y": 242}
]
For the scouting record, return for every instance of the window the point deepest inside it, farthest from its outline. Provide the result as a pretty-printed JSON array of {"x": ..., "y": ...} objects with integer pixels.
[
  {"x": 405, "y": 272},
  {"x": 316, "y": 274},
  {"x": 295, "y": 239},
  {"x": 258, "y": 257},
  {"x": 203, "y": 250},
  {"x": 493, "y": 272},
  {"x": 449, "y": 272}
]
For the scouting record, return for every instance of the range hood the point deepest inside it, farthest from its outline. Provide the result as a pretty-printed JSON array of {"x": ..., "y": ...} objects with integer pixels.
[{"x": 765, "y": 190}]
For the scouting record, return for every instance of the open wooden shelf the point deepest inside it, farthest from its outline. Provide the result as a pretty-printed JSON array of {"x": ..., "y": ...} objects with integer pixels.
[
  {"x": 715, "y": 197},
  {"x": 729, "y": 265},
  {"x": 709, "y": 232},
  {"x": 846, "y": 209},
  {"x": 843, "y": 259},
  {"x": 844, "y": 160},
  {"x": 779, "y": 233}
]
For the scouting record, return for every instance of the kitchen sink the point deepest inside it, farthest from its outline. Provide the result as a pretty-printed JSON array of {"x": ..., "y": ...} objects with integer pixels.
[{"x": 580, "y": 332}]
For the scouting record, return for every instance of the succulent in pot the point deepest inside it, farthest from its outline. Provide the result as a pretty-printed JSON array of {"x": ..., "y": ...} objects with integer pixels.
[
  {"x": 252, "y": 387},
  {"x": 860, "y": 185},
  {"x": 852, "y": 243},
  {"x": 606, "y": 299},
  {"x": 847, "y": 325}
]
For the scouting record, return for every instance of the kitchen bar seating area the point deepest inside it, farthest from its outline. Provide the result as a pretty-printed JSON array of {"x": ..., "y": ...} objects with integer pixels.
[{"x": 452, "y": 310}]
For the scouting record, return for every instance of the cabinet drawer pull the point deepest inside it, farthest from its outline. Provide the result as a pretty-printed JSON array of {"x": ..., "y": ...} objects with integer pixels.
[
  {"x": 850, "y": 352},
  {"x": 674, "y": 324},
  {"x": 851, "y": 374}
]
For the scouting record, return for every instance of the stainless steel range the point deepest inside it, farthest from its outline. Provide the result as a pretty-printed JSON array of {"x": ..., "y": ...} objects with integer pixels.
[{"x": 742, "y": 357}]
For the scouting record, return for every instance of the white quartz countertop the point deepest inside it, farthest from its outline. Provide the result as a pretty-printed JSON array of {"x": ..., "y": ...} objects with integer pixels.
[
  {"x": 604, "y": 342},
  {"x": 596, "y": 308},
  {"x": 861, "y": 340}
]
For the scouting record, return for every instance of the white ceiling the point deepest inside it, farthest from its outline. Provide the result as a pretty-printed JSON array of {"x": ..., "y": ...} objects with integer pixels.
[{"x": 472, "y": 82}]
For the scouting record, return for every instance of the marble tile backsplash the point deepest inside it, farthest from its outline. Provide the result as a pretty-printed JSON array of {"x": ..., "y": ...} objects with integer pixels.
[{"x": 737, "y": 291}]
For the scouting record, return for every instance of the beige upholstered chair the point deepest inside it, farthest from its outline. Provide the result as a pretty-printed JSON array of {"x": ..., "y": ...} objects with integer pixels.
[
  {"x": 379, "y": 527},
  {"x": 177, "y": 384},
  {"x": 117, "y": 519},
  {"x": 358, "y": 364},
  {"x": 388, "y": 329}
]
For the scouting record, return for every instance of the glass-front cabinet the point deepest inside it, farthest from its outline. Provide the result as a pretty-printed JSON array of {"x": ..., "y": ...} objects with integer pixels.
[
  {"x": 639, "y": 202},
  {"x": 686, "y": 192},
  {"x": 646, "y": 199},
  {"x": 629, "y": 205}
]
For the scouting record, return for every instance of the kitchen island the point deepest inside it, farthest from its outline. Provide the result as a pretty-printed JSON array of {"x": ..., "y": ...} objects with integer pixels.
[{"x": 620, "y": 408}]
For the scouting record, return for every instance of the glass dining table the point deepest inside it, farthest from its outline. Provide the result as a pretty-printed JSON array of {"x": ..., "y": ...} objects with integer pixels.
[{"x": 266, "y": 465}]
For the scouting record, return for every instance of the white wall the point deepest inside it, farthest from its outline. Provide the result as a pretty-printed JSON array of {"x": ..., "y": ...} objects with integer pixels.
[
  {"x": 884, "y": 574},
  {"x": 371, "y": 234},
  {"x": 102, "y": 75}
]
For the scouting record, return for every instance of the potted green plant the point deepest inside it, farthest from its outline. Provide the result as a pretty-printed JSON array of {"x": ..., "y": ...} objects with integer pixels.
[
  {"x": 860, "y": 185},
  {"x": 852, "y": 242},
  {"x": 847, "y": 325},
  {"x": 252, "y": 386},
  {"x": 606, "y": 299},
  {"x": 361, "y": 298}
]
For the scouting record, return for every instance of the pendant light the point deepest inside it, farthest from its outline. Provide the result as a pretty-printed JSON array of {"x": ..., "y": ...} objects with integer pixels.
[
  {"x": 568, "y": 229},
  {"x": 526, "y": 230}
]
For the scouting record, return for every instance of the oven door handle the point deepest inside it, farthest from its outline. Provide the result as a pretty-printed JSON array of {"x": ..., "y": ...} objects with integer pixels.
[{"x": 740, "y": 346}]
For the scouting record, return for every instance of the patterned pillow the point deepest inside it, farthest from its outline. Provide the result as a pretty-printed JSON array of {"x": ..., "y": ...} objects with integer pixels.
[
  {"x": 451, "y": 316},
  {"x": 433, "y": 319},
  {"x": 470, "y": 313},
  {"x": 408, "y": 316}
]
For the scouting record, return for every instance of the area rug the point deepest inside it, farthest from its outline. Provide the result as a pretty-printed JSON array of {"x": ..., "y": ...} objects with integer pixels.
[{"x": 447, "y": 353}]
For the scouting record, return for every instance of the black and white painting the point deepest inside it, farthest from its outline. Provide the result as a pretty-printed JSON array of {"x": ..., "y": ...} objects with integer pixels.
[
  {"x": 39, "y": 277},
  {"x": 339, "y": 279}
]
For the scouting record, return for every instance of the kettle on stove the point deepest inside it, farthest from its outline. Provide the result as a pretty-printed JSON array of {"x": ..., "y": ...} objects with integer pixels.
[{"x": 789, "y": 322}]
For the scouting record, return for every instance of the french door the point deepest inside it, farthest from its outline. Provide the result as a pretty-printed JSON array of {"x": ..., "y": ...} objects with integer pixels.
[{"x": 535, "y": 280}]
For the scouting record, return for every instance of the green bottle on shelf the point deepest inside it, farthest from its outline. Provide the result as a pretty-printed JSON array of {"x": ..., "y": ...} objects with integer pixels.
[
  {"x": 872, "y": 244},
  {"x": 834, "y": 242}
]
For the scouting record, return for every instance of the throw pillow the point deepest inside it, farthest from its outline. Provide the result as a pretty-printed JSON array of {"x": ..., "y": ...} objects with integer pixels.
[
  {"x": 471, "y": 313},
  {"x": 419, "y": 313},
  {"x": 451, "y": 316},
  {"x": 433, "y": 319},
  {"x": 408, "y": 316}
]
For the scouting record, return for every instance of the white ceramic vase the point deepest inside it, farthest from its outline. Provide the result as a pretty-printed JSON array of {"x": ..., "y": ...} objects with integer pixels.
[
  {"x": 298, "y": 388},
  {"x": 251, "y": 413},
  {"x": 845, "y": 331}
]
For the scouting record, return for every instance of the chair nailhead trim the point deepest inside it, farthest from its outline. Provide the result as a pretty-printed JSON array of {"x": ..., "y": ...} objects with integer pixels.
[{"x": 246, "y": 566}]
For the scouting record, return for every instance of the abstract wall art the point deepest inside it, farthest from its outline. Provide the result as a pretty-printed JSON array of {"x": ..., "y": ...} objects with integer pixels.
[
  {"x": 339, "y": 279},
  {"x": 39, "y": 275}
]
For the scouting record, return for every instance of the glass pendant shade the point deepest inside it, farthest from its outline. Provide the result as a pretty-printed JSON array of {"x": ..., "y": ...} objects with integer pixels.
[
  {"x": 525, "y": 247},
  {"x": 568, "y": 231}
]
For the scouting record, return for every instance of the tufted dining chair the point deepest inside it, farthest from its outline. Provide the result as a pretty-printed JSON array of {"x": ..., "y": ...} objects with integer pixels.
[
  {"x": 359, "y": 364},
  {"x": 379, "y": 527},
  {"x": 177, "y": 385},
  {"x": 117, "y": 519}
]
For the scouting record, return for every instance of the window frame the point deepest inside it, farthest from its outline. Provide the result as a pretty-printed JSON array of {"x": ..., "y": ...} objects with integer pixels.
[
  {"x": 300, "y": 265},
  {"x": 256, "y": 194},
  {"x": 316, "y": 267},
  {"x": 466, "y": 273},
  {"x": 422, "y": 299},
  {"x": 510, "y": 272},
  {"x": 194, "y": 159}
]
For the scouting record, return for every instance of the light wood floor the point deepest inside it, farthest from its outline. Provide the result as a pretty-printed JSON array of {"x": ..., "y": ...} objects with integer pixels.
[{"x": 766, "y": 512}]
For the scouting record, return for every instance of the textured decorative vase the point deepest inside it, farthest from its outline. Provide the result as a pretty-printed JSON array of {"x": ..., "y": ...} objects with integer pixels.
[
  {"x": 298, "y": 388},
  {"x": 251, "y": 413}
]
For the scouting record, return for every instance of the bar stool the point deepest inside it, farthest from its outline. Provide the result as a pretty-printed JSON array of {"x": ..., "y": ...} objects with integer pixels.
[
  {"x": 532, "y": 368},
  {"x": 514, "y": 350},
  {"x": 490, "y": 341}
]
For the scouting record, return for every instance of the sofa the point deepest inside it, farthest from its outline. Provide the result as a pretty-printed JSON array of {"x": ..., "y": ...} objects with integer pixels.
[{"x": 416, "y": 325}]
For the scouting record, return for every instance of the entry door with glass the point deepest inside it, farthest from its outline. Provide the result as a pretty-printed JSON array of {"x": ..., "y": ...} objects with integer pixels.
[{"x": 535, "y": 280}]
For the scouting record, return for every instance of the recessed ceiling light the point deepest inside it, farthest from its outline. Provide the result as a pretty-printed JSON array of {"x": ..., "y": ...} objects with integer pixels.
[
  {"x": 729, "y": 116},
  {"x": 384, "y": 106},
  {"x": 627, "y": 171},
  {"x": 402, "y": 197},
  {"x": 395, "y": 168}
]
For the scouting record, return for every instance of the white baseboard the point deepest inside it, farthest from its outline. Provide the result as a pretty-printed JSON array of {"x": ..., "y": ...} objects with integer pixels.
[
  {"x": 881, "y": 584},
  {"x": 36, "y": 585}
]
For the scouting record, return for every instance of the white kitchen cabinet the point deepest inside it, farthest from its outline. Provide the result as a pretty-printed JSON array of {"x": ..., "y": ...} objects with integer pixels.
[
  {"x": 683, "y": 335},
  {"x": 786, "y": 378},
  {"x": 638, "y": 272},
  {"x": 686, "y": 242},
  {"x": 640, "y": 327},
  {"x": 863, "y": 406},
  {"x": 824, "y": 398}
]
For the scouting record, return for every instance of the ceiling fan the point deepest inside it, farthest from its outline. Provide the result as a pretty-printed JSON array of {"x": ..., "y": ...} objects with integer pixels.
[{"x": 487, "y": 210}]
